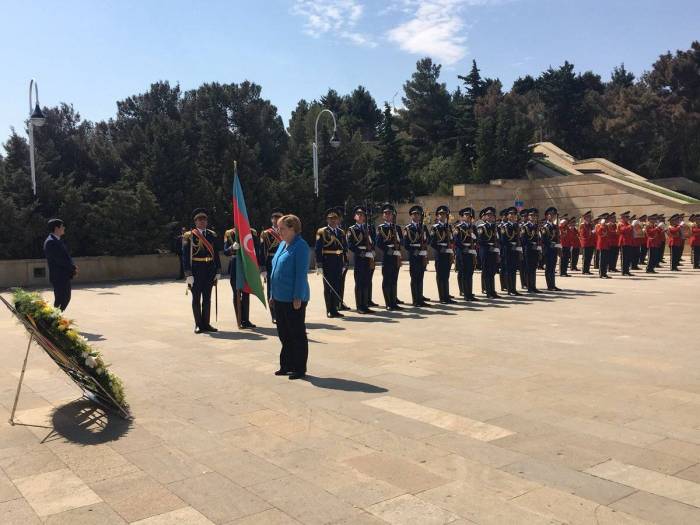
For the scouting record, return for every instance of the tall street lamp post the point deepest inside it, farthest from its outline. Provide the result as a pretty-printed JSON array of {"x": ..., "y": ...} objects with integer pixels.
[
  {"x": 36, "y": 118},
  {"x": 333, "y": 142}
]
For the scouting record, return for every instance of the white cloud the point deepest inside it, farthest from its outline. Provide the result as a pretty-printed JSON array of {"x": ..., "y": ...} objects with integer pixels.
[
  {"x": 333, "y": 17},
  {"x": 435, "y": 28}
]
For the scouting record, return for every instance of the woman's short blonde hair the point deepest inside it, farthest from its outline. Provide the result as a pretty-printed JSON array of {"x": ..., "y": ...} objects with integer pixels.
[{"x": 291, "y": 221}]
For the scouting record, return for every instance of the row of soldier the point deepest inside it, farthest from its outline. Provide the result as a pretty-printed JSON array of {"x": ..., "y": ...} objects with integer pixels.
[{"x": 519, "y": 243}]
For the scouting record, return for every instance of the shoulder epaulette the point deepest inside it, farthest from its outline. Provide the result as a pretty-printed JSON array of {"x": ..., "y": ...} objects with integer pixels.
[{"x": 228, "y": 234}]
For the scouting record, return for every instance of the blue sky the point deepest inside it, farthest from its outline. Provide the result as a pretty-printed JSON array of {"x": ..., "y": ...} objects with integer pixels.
[{"x": 92, "y": 54}]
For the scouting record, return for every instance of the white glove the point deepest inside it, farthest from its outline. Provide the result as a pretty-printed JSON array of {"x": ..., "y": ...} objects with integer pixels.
[
  {"x": 217, "y": 277},
  {"x": 189, "y": 280},
  {"x": 235, "y": 246},
  {"x": 369, "y": 255},
  {"x": 319, "y": 270}
]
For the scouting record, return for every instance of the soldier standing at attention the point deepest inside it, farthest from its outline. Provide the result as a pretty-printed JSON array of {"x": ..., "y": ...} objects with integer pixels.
[
  {"x": 602, "y": 245},
  {"x": 695, "y": 240},
  {"x": 441, "y": 242},
  {"x": 269, "y": 242},
  {"x": 626, "y": 235},
  {"x": 530, "y": 236},
  {"x": 389, "y": 241},
  {"x": 200, "y": 253},
  {"x": 587, "y": 240},
  {"x": 551, "y": 247},
  {"x": 330, "y": 257},
  {"x": 641, "y": 237},
  {"x": 360, "y": 243},
  {"x": 465, "y": 248},
  {"x": 487, "y": 237},
  {"x": 575, "y": 244},
  {"x": 566, "y": 246},
  {"x": 510, "y": 249},
  {"x": 241, "y": 299},
  {"x": 613, "y": 243},
  {"x": 675, "y": 241},
  {"x": 415, "y": 241},
  {"x": 502, "y": 270},
  {"x": 346, "y": 263},
  {"x": 522, "y": 267}
]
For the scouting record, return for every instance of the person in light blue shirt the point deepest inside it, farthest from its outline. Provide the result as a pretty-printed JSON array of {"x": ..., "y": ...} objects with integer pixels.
[{"x": 289, "y": 293}]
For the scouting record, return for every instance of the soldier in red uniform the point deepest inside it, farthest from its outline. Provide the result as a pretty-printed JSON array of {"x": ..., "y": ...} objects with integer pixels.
[
  {"x": 576, "y": 244},
  {"x": 695, "y": 240},
  {"x": 587, "y": 240},
  {"x": 566, "y": 246},
  {"x": 602, "y": 244},
  {"x": 675, "y": 241},
  {"x": 626, "y": 242},
  {"x": 655, "y": 242},
  {"x": 614, "y": 243}
]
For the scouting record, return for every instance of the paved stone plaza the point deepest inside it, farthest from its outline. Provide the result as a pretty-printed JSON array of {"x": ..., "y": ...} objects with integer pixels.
[{"x": 581, "y": 406}]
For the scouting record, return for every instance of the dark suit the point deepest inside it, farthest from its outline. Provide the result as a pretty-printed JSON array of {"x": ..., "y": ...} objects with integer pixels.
[
  {"x": 61, "y": 270},
  {"x": 203, "y": 265}
]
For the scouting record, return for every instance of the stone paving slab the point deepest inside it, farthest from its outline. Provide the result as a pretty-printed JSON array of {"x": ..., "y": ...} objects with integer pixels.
[{"x": 579, "y": 406}]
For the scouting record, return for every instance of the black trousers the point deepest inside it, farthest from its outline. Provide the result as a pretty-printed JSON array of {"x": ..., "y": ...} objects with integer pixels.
[
  {"x": 587, "y": 256},
  {"x": 565, "y": 258},
  {"x": 369, "y": 286},
  {"x": 596, "y": 260},
  {"x": 654, "y": 258},
  {"x": 416, "y": 267},
  {"x": 242, "y": 316},
  {"x": 201, "y": 293},
  {"x": 291, "y": 329},
  {"x": 643, "y": 250},
  {"x": 613, "y": 257},
  {"x": 627, "y": 258},
  {"x": 443, "y": 263},
  {"x": 458, "y": 269},
  {"x": 509, "y": 267},
  {"x": 61, "y": 294},
  {"x": 362, "y": 274},
  {"x": 550, "y": 266},
  {"x": 465, "y": 275},
  {"x": 603, "y": 262},
  {"x": 390, "y": 279},
  {"x": 696, "y": 257},
  {"x": 575, "y": 252},
  {"x": 343, "y": 275},
  {"x": 531, "y": 259},
  {"x": 676, "y": 252},
  {"x": 522, "y": 267},
  {"x": 332, "y": 271},
  {"x": 489, "y": 265}
]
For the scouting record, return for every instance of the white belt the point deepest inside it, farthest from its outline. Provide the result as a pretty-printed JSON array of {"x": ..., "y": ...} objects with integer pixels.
[
  {"x": 442, "y": 244},
  {"x": 557, "y": 245},
  {"x": 473, "y": 235},
  {"x": 423, "y": 252},
  {"x": 494, "y": 250},
  {"x": 415, "y": 245},
  {"x": 389, "y": 245},
  {"x": 369, "y": 255},
  {"x": 473, "y": 252},
  {"x": 518, "y": 248},
  {"x": 395, "y": 253},
  {"x": 539, "y": 248},
  {"x": 447, "y": 250}
]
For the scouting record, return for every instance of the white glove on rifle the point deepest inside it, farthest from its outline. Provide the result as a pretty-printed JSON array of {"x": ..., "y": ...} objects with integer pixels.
[
  {"x": 235, "y": 246},
  {"x": 189, "y": 280},
  {"x": 319, "y": 270}
]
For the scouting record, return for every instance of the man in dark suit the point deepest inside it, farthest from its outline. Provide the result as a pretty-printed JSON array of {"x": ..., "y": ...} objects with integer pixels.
[{"x": 61, "y": 267}]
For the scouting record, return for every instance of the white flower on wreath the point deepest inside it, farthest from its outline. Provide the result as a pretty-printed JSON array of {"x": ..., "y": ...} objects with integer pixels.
[
  {"x": 91, "y": 361},
  {"x": 84, "y": 355},
  {"x": 99, "y": 371}
]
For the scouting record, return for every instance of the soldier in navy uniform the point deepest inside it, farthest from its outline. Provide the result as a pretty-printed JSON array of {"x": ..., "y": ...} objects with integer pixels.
[
  {"x": 487, "y": 238},
  {"x": 415, "y": 240},
  {"x": 269, "y": 242},
  {"x": 522, "y": 264},
  {"x": 502, "y": 270},
  {"x": 200, "y": 255},
  {"x": 241, "y": 299},
  {"x": 465, "y": 252},
  {"x": 510, "y": 248},
  {"x": 389, "y": 237},
  {"x": 346, "y": 263},
  {"x": 530, "y": 238},
  {"x": 61, "y": 266},
  {"x": 331, "y": 251},
  {"x": 360, "y": 242},
  {"x": 441, "y": 241},
  {"x": 551, "y": 246}
]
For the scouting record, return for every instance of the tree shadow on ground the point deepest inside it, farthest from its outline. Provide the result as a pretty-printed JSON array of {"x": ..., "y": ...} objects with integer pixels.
[
  {"x": 334, "y": 383},
  {"x": 84, "y": 422}
]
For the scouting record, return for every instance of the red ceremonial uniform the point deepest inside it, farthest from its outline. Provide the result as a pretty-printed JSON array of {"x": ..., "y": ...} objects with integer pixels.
[
  {"x": 602, "y": 236},
  {"x": 575, "y": 241},
  {"x": 695, "y": 235},
  {"x": 674, "y": 236},
  {"x": 655, "y": 236},
  {"x": 612, "y": 233},
  {"x": 586, "y": 236},
  {"x": 565, "y": 237},
  {"x": 625, "y": 235}
]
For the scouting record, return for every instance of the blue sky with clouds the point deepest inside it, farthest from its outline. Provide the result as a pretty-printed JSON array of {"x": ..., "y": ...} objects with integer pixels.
[{"x": 92, "y": 54}]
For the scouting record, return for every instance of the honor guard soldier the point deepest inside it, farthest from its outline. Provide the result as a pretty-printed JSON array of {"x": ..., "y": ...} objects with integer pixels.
[
  {"x": 694, "y": 241},
  {"x": 415, "y": 240},
  {"x": 489, "y": 251},
  {"x": 602, "y": 245},
  {"x": 625, "y": 233},
  {"x": 361, "y": 244},
  {"x": 241, "y": 299},
  {"x": 586, "y": 239},
  {"x": 575, "y": 244},
  {"x": 465, "y": 252},
  {"x": 502, "y": 272},
  {"x": 614, "y": 243},
  {"x": 441, "y": 242},
  {"x": 567, "y": 244},
  {"x": 522, "y": 267},
  {"x": 551, "y": 246},
  {"x": 269, "y": 242},
  {"x": 389, "y": 241},
  {"x": 200, "y": 253},
  {"x": 640, "y": 241},
  {"x": 655, "y": 242},
  {"x": 346, "y": 263},
  {"x": 331, "y": 251},
  {"x": 675, "y": 241},
  {"x": 530, "y": 238},
  {"x": 511, "y": 251}
]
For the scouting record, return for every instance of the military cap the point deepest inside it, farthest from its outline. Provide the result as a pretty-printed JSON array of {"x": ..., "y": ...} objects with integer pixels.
[
  {"x": 572, "y": 218},
  {"x": 467, "y": 211},
  {"x": 388, "y": 207},
  {"x": 551, "y": 209},
  {"x": 54, "y": 223},
  {"x": 332, "y": 212},
  {"x": 359, "y": 209},
  {"x": 200, "y": 212},
  {"x": 625, "y": 214},
  {"x": 642, "y": 217},
  {"x": 653, "y": 217},
  {"x": 612, "y": 214},
  {"x": 503, "y": 212},
  {"x": 487, "y": 210},
  {"x": 524, "y": 212},
  {"x": 511, "y": 209},
  {"x": 415, "y": 209},
  {"x": 674, "y": 217},
  {"x": 603, "y": 216},
  {"x": 442, "y": 209},
  {"x": 589, "y": 212},
  {"x": 534, "y": 211},
  {"x": 276, "y": 212}
]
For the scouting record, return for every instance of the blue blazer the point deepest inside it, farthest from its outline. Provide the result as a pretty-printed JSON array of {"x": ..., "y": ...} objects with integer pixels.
[
  {"x": 290, "y": 269},
  {"x": 61, "y": 267}
]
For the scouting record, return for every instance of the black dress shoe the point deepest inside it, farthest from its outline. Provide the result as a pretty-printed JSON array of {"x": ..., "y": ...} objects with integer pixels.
[
  {"x": 471, "y": 298},
  {"x": 607, "y": 277},
  {"x": 198, "y": 330},
  {"x": 554, "y": 289},
  {"x": 399, "y": 301},
  {"x": 426, "y": 299},
  {"x": 423, "y": 304},
  {"x": 210, "y": 328},
  {"x": 587, "y": 273},
  {"x": 247, "y": 324},
  {"x": 294, "y": 375},
  {"x": 333, "y": 315},
  {"x": 397, "y": 307},
  {"x": 344, "y": 307},
  {"x": 364, "y": 311},
  {"x": 535, "y": 290},
  {"x": 494, "y": 296},
  {"x": 372, "y": 304},
  {"x": 281, "y": 372}
]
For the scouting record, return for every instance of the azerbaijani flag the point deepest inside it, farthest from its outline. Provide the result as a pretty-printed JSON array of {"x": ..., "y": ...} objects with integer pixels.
[{"x": 247, "y": 271}]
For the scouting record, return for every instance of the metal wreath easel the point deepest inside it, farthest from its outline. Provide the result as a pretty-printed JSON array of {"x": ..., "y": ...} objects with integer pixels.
[{"x": 92, "y": 390}]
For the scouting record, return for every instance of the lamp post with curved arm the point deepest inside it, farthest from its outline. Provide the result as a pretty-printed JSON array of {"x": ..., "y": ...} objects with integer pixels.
[
  {"x": 333, "y": 142},
  {"x": 36, "y": 118}
]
